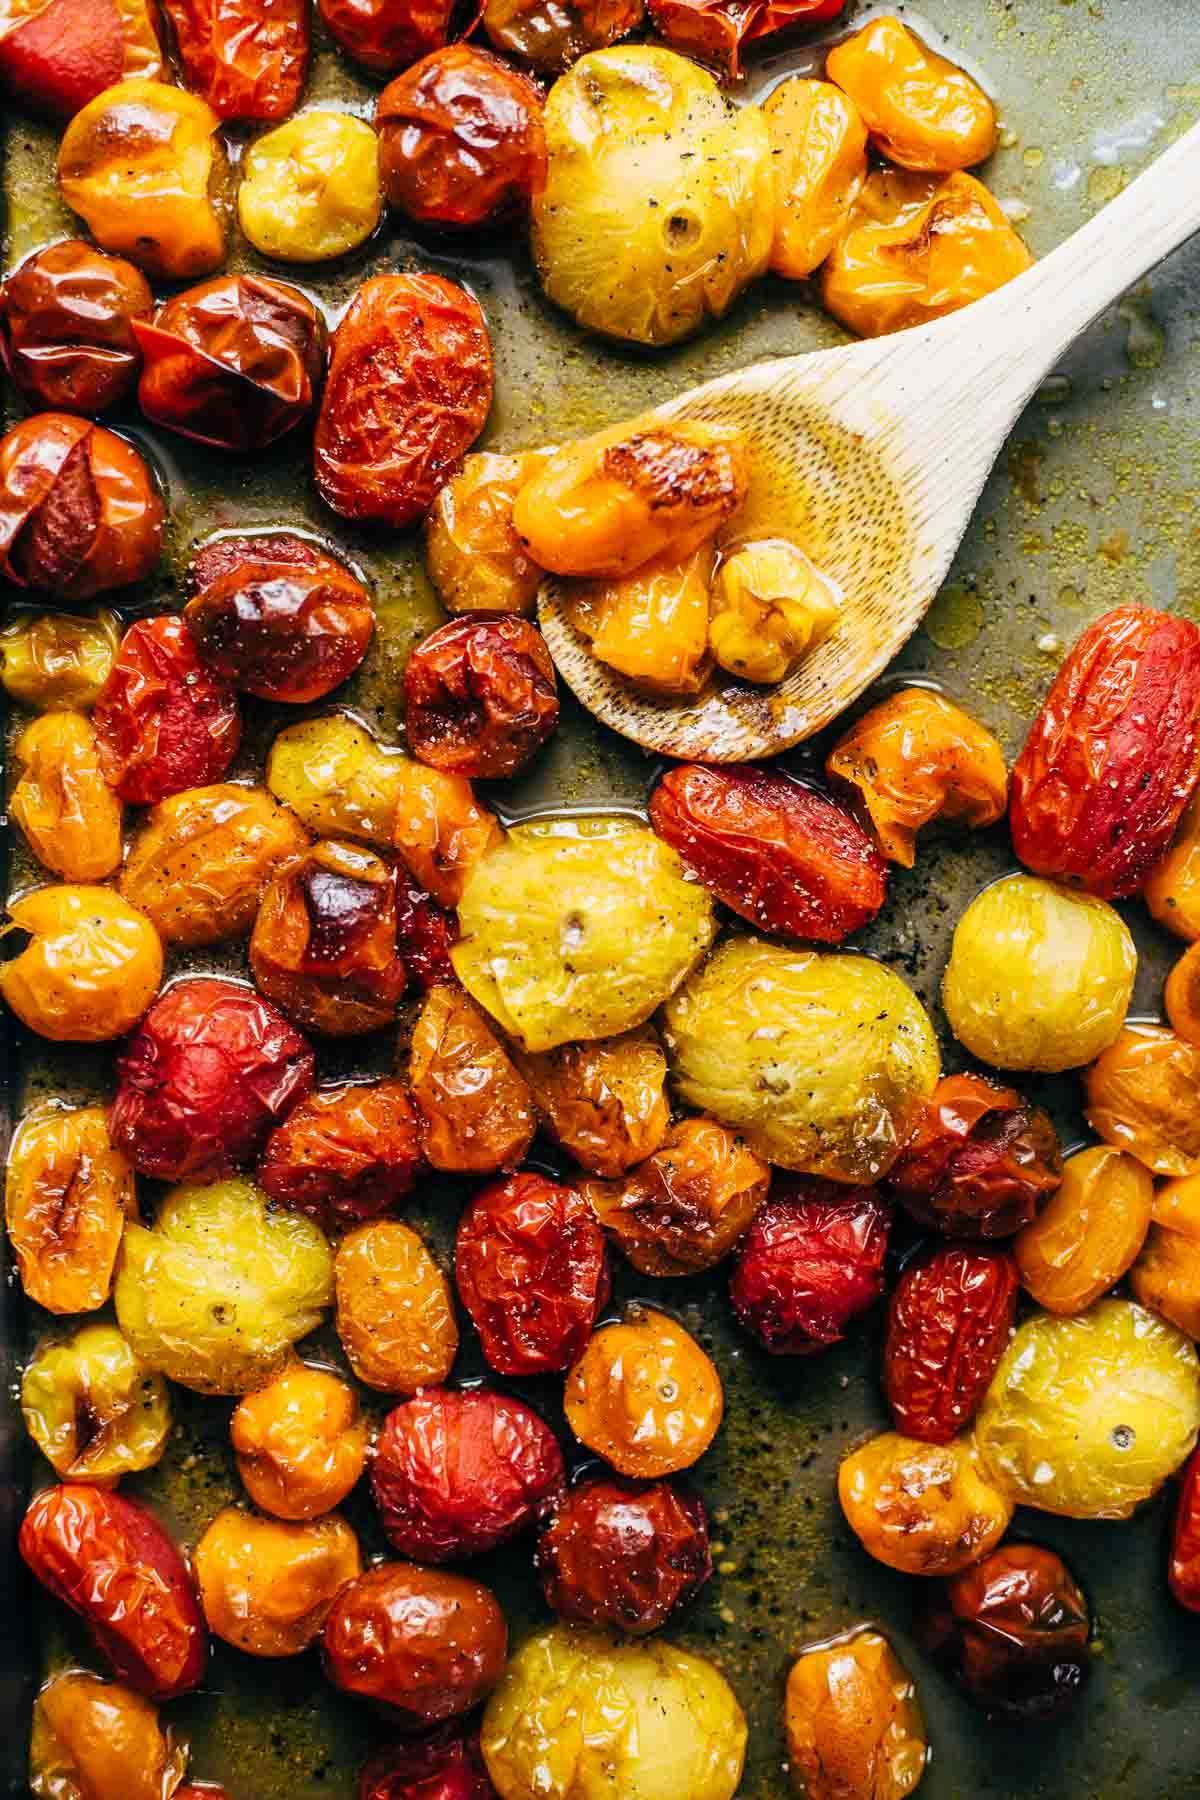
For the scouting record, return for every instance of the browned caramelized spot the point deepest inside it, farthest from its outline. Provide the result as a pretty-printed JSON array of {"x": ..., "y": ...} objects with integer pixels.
[
  {"x": 670, "y": 471},
  {"x": 341, "y": 912},
  {"x": 56, "y": 540}
]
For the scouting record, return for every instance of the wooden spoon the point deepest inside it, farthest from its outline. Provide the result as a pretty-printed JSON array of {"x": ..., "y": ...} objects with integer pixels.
[{"x": 871, "y": 458}]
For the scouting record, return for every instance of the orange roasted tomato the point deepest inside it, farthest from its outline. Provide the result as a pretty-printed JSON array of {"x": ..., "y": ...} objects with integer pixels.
[
  {"x": 654, "y": 626},
  {"x": 300, "y": 1442},
  {"x": 441, "y": 829},
  {"x": 478, "y": 1110},
  {"x": 925, "y": 1509},
  {"x": 395, "y": 1313},
  {"x": 278, "y": 617},
  {"x": 247, "y": 58},
  {"x": 200, "y": 861},
  {"x": 1113, "y": 756},
  {"x": 473, "y": 555},
  {"x": 918, "y": 247},
  {"x": 716, "y": 30},
  {"x": 56, "y": 55},
  {"x": 409, "y": 388},
  {"x": 267, "y": 1585},
  {"x": 603, "y": 1101},
  {"x": 66, "y": 328},
  {"x": 552, "y": 34},
  {"x": 1172, "y": 888},
  {"x": 481, "y": 697},
  {"x": 97, "y": 1740},
  {"x": 426, "y": 1644},
  {"x": 1166, "y": 1275},
  {"x": 386, "y": 35},
  {"x": 461, "y": 141},
  {"x": 923, "y": 112},
  {"x": 917, "y": 757},
  {"x": 980, "y": 1161},
  {"x": 79, "y": 510},
  {"x": 164, "y": 721},
  {"x": 1088, "y": 1233},
  {"x": 142, "y": 165},
  {"x": 236, "y": 362},
  {"x": 685, "y": 1207},
  {"x": 345, "y": 1154},
  {"x": 853, "y": 1725},
  {"x": 644, "y": 1396},
  {"x": 68, "y": 812},
  {"x": 90, "y": 969},
  {"x": 67, "y": 1196},
  {"x": 1181, "y": 996},
  {"x": 819, "y": 145},
  {"x": 324, "y": 943},
  {"x": 1143, "y": 1095}
]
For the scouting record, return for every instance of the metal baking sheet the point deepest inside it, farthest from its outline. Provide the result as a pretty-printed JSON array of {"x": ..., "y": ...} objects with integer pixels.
[{"x": 1093, "y": 502}]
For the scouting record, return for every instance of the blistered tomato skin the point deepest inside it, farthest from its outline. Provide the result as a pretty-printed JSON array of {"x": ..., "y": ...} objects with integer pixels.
[
  {"x": 550, "y": 35},
  {"x": 66, "y": 328},
  {"x": 1142, "y": 1096},
  {"x": 716, "y": 33},
  {"x": 853, "y": 1723},
  {"x": 457, "y": 1474},
  {"x": 164, "y": 722},
  {"x": 409, "y": 389},
  {"x": 781, "y": 855},
  {"x": 1181, "y": 996},
  {"x": 624, "y": 1556},
  {"x": 473, "y": 555},
  {"x": 337, "y": 779},
  {"x": 111, "y": 1562},
  {"x": 1166, "y": 1275},
  {"x": 644, "y": 1396},
  {"x": 1113, "y": 756},
  {"x": 819, "y": 142},
  {"x": 652, "y": 626},
  {"x": 923, "y": 112},
  {"x": 532, "y": 1272},
  {"x": 91, "y": 967},
  {"x": 345, "y": 1154},
  {"x": 70, "y": 816},
  {"x": 246, "y": 58},
  {"x": 461, "y": 139},
  {"x": 948, "y": 1326},
  {"x": 980, "y": 1163},
  {"x": 235, "y": 363},
  {"x": 424, "y": 1643},
  {"x": 93, "y": 1410},
  {"x": 424, "y": 933},
  {"x": 310, "y": 189},
  {"x": 477, "y": 1108},
  {"x": 211, "y": 1070},
  {"x": 481, "y": 697},
  {"x": 925, "y": 1509},
  {"x": 811, "y": 1262},
  {"x": 1013, "y": 1632},
  {"x": 79, "y": 510},
  {"x": 441, "y": 1766},
  {"x": 386, "y": 35},
  {"x": 267, "y": 1586},
  {"x": 67, "y": 1195},
  {"x": 395, "y": 1311},
  {"x": 440, "y": 830},
  {"x": 300, "y": 1442},
  {"x": 684, "y": 1207},
  {"x": 769, "y": 606},
  {"x": 54, "y": 660},
  {"x": 1089, "y": 1232},
  {"x": 604, "y": 1102},
  {"x": 97, "y": 1740}
]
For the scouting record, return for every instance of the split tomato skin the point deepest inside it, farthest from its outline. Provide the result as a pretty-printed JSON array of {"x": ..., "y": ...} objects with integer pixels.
[{"x": 980, "y": 1163}]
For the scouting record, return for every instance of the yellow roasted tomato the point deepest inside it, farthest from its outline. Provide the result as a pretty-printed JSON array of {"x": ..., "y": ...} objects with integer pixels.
[
  {"x": 474, "y": 557},
  {"x": 819, "y": 161},
  {"x": 91, "y": 967},
  {"x": 853, "y": 1723},
  {"x": 337, "y": 779},
  {"x": 310, "y": 188},
  {"x": 922, "y": 111},
  {"x": 67, "y": 1196},
  {"x": 770, "y": 606},
  {"x": 93, "y": 1410},
  {"x": 97, "y": 1740},
  {"x": 267, "y": 1587},
  {"x": 651, "y": 626},
  {"x": 55, "y": 660},
  {"x": 62, "y": 802},
  {"x": 925, "y": 1509}
]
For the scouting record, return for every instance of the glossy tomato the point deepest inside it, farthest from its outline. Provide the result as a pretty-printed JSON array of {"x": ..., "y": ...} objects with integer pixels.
[
  {"x": 247, "y": 58},
  {"x": 811, "y": 1261},
  {"x": 481, "y": 696},
  {"x": 66, "y": 328},
  {"x": 163, "y": 721}
]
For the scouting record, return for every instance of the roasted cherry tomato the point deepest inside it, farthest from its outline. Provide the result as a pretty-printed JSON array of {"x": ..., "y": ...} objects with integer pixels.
[
  {"x": 481, "y": 697},
  {"x": 473, "y": 555},
  {"x": 461, "y": 139},
  {"x": 769, "y": 606},
  {"x": 716, "y": 30},
  {"x": 1166, "y": 1275},
  {"x": 811, "y": 1261},
  {"x": 409, "y": 388},
  {"x": 923, "y": 112},
  {"x": 345, "y": 1154},
  {"x": 685, "y": 1207},
  {"x": 66, "y": 327},
  {"x": 1181, "y": 996},
  {"x": 623, "y": 1555},
  {"x": 440, "y": 829},
  {"x": 552, "y": 34},
  {"x": 1183, "y": 1570},
  {"x": 67, "y": 1196},
  {"x": 783, "y": 856},
  {"x": 54, "y": 660},
  {"x": 96, "y": 1740},
  {"x": 56, "y": 55},
  {"x": 337, "y": 779},
  {"x": 79, "y": 510},
  {"x": 141, "y": 165},
  {"x": 300, "y": 1442},
  {"x": 93, "y": 1408},
  {"x": 247, "y": 59},
  {"x": 425, "y": 932},
  {"x": 1088, "y": 1233},
  {"x": 386, "y": 35},
  {"x": 441, "y": 1766},
  {"x": 395, "y": 1312},
  {"x": 819, "y": 140},
  {"x": 110, "y": 1561},
  {"x": 310, "y": 189},
  {"x": 654, "y": 626},
  {"x": 266, "y": 1585},
  {"x": 532, "y": 1272},
  {"x": 604, "y": 1101},
  {"x": 236, "y": 362},
  {"x": 1172, "y": 888},
  {"x": 278, "y": 617},
  {"x": 212, "y": 1068},
  {"x": 980, "y": 1162},
  {"x": 644, "y": 1396},
  {"x": 456, "y": 1474},
  {"x": 948, "y": 1326},
  {"x": 90, "y": 969},
  {"x": 853, "y": 1724},
  {"x": 70, "y": 816},
  {"x": 478, "y": 1110},
  {"x": 925, "y": 1509},
  {"x": 1143, "y": 1095},
  {"x": 427, "y": 1644},
  {"x": 164, "y": 722}
]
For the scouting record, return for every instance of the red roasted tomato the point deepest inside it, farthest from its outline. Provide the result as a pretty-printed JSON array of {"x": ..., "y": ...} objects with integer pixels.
[
  {"x": 442, "y": 1767},
  {"x": 480, "y": 697},
  {"x": 235, "y": 362},
  {"x": 386, "y": 35},
  {"x": 456, "y": 1474},
  {"x": 278, "y": 617},
  {"x": 624, "y": 1555},
  {"x": 425, "y": 933},
  {"x": 1183, "y": 1570},
  {"x": 783, "y": 856},
  {"x": 948, "y": 1326},
  {"x": 208, "y": 1072},
  {"x": 427, "y": 1644},
  {"x": 811, "y": 1261},
  {"x": 56, "y": 55},
  {"x": 163, "y": 721},
  {"x": 716, "y": 30},
  {"x": 532, "y": 1272},
  {"x": 247, "y": 58},
  {"x": 1114, "y": 754},
  {"x": 111, "y": 1562},
  {"x": 981, "y": 1162},
  {"x": 66, "y": 328},
  {"x": 345, "y": 1154},
  {"x": 409, "y": 388}
]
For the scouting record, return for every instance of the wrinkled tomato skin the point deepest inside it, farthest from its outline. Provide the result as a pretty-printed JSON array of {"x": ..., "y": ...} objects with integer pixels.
[
  {"x": 425, "y": 933},
  {"x": 163, "y": 722},
  {"x": 278, "y": 617},
  {"x": 209, "y": 1071},
  {"x": 423, "y": 1642},
  {"x": 1183, "y": 1569},
  {"x": 481, "y": 697},
  {"x": 811, "y": 1261},
  {"x": 457, "y": 1474},
  {"x": 63, "y": 54},
  {"x": 444, "y": 1766},
  {"x": 624, "y": 1555},
  {"x": 1113, "y": 756},
  {"x": 532, "y": 1272},
  {"x": 246, "y": 58},
  {"x": 461, "y": 140},
  {"x": 948, "y": 1326},
  {"x": 345, "y": 1154},
  {"x": 478, "y": 1109},
  {"x": 386, "y": 35},
  {"x": 409, "y": 388},
  {"x": 783, "y": 856},
  {"x": 66, "y": 328},
  {"x": 112, "y": 1563},
  {"x": 236, "y": 362},
  {"x": 980, "y": 1163},
  {"x": 552, "y": 34},
  {"x": 1013, "y": 1632},
  {"x": 716, "y": 30}
]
